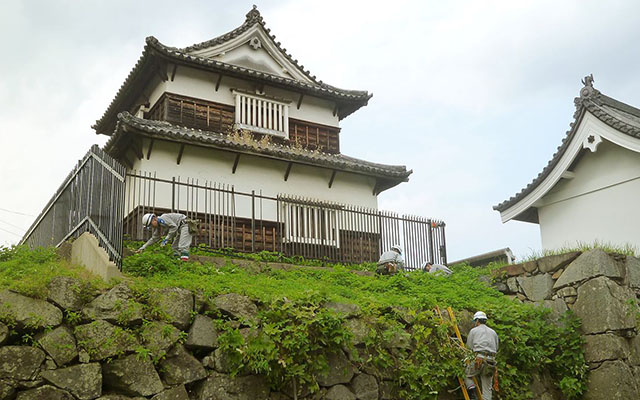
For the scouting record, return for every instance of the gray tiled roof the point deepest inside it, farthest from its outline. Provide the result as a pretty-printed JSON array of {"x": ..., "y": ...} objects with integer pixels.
[
  {"x": 612, "y": 112},
  {"x": 168, "y": 131},
  {"x": 154, "y": 51}
]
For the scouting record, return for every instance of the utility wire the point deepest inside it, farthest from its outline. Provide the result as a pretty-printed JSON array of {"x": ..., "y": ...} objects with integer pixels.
[
  {"x": 16, "y": 212},
  {"x": 1, "y": 229},
  {"x": 15, "y": 226}
]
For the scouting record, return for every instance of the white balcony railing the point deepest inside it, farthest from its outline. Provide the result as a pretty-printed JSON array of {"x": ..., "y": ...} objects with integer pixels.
[
  {"x": 261, "y": 115},
  {"x": 310, "y": 225}
]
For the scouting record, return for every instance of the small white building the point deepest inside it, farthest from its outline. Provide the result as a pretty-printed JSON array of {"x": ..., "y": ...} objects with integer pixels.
[{"x": 590, "y": 190}]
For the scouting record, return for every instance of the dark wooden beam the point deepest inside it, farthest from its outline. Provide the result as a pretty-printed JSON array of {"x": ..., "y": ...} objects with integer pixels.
[
  {"x": 173, "y": 73},
  {"x": 136, "y": 146},
  {"x": 235, "y": 163},
  {"x": 300, "y": 100},
  {"x": 333, "y": 176},
  {"x": 180, "y": 153},
  {"x": 376, "y": 188},
  {"x": 286, "y": 173},
  {"x": 127, "y": 161},
  {"x": 149, "y": 149},
  {"x": 218, "y": 82},
  {"x": 335, "y": 110},
  {"x": 161, "y": 70}
]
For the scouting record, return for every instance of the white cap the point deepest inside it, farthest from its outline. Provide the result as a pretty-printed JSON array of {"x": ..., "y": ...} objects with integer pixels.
[
  {"x": 146, "y": 219},
  {"x": 479, "y": 315},
  {"x": 424, "y": 264},
  {"x": 397, "y": 248}
]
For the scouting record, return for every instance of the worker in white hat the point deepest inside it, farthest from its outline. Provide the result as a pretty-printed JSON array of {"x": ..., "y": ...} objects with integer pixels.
[
  {"x": 436, "y": 269},
  {"x": 391, "y": 261},
  {"x": 484, "y": 343},
  {"x": 177, "y": 231}
]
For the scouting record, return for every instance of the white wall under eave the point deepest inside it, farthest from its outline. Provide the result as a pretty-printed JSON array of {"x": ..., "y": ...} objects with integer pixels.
[
  {"x": 599, "y": 204},
  {"x": 252, "y": 173},
  {"x": 202, "y": 85}
]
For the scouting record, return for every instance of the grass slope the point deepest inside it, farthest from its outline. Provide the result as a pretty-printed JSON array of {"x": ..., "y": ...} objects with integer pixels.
[{"x": 529, "y": 342}]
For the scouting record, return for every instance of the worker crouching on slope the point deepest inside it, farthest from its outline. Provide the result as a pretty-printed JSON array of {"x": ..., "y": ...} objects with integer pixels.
[
  {"x": 391, "y": 261},
  {"x": 436, "y": 269},
  {"x": 177, "y": 228},
  {"x": 484, "y": 343}
]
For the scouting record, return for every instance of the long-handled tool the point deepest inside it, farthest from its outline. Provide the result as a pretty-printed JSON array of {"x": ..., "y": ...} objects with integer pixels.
[{"x": 459, "y": 336}]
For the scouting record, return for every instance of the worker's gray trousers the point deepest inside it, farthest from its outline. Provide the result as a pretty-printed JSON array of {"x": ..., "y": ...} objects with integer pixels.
[
  {"x": 182, "y": 241},
  {"x": 485, "y": 376}
]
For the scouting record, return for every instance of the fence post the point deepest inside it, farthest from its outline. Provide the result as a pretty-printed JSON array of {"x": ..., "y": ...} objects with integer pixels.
[
  {"x": 443, "y": 246},
  {"x": 432, "y": 256},
  {"x": 253, "y": 220},
  {"x": 173, "y": 194}
]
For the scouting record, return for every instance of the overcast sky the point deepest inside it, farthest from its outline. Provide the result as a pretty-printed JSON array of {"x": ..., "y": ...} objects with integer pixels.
[{"x": 474, "y": 96}]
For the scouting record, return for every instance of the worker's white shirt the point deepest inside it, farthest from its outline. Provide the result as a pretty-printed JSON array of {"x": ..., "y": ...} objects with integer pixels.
[
  {"x": 440, "y": 269},
  {"x": 391, "y": 256},
  {"x": 483, "y": 338}
]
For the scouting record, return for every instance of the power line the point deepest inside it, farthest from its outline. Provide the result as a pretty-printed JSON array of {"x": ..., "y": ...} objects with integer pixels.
[
  {"x": 16, "y": 212},
  {"x": 15, "y": 226},
  {"x": 1, "y": 229}
]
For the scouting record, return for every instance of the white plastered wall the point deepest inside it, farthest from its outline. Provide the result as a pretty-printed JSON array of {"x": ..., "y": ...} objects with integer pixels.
[
  {"x": 252, "y": 173},
  {"x": 600, "y": 202},
  {"x": 202, "y": 85}
]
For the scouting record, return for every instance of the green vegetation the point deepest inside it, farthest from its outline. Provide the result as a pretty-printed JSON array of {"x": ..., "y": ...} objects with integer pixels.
[
  {"x": 627, "y": 250},
  {"x": 294, "y": 328}
]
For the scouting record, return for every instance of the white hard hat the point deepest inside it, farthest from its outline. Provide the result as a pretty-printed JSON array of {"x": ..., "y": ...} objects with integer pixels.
[
  {"x": 146, "y": 219},
  {"x": 424, "y": 264},
  {"x": 479, "y": 315},
  {"x": 397, "y": 248}
]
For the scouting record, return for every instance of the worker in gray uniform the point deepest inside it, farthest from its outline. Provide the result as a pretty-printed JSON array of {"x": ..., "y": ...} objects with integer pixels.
[
  {"x": 436, "y": 269},
  {"x": 391, "y": 261},
  {"x": 177, "y": 231},
  {"x": 484, "y": 343}
]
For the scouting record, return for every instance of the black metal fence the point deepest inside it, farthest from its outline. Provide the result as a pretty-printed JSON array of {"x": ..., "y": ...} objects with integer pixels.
[
  {"x": 251, "y": 221},
  {"x": 89, "y": 200}
]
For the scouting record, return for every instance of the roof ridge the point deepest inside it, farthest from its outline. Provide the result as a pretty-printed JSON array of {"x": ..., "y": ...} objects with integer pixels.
[{"x": 252, "y": 18}]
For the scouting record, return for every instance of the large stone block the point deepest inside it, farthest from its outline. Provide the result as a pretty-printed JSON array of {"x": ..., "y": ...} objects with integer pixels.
[
  {"x": 159, "y": 337},
  {"x": 66, "y": 292},
  {"x": 340, "y": 392},
  {"x": 537, "y": 287},
  {"x": 46, "y": 392},
  {"x": 84, "y": 381},
  {"x": 590, "y": 264},
  {"x": 634, "y": 347},
  {"x": 613, "y": 380},
  {"x": 346, "y": 310},
  {"x": 176, "y": 393},
  {"x": 603, "y": 306},
  {"x": 180, "y": 367},
  {"x": 175, "y": 304},
  {"x": 101, "y": 340},
  {"x": 359, "y": 328},
  {"x": 60, "y": 344},
  {"x": 555, "y": 262},
  {"x": 4, "y": 333},
  {"x": 203, "y": 334},
  {"x": 28, "y": 312},
  {"x": 20, "y": 362},
  {"x": 340, "y": 370},
  {"x": 117, "y": 306},
  {"x": 365, "y": 387},
  {"x": 633, "y": 271},
  {"x": 133, "y": 376},
  {"x": 225, "y": 387},
  {"x": 605, "y": 347},
  {"x": 236, "y": 306}
]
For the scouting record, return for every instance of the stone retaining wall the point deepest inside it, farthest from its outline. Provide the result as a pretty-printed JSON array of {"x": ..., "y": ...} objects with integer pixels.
[{"x": 603, "y": 290}]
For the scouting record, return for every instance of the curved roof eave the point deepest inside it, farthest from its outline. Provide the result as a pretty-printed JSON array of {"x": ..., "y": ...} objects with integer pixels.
[
  {"x": 391, "y": 174},
  {"x": 620, "y": 116}
]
